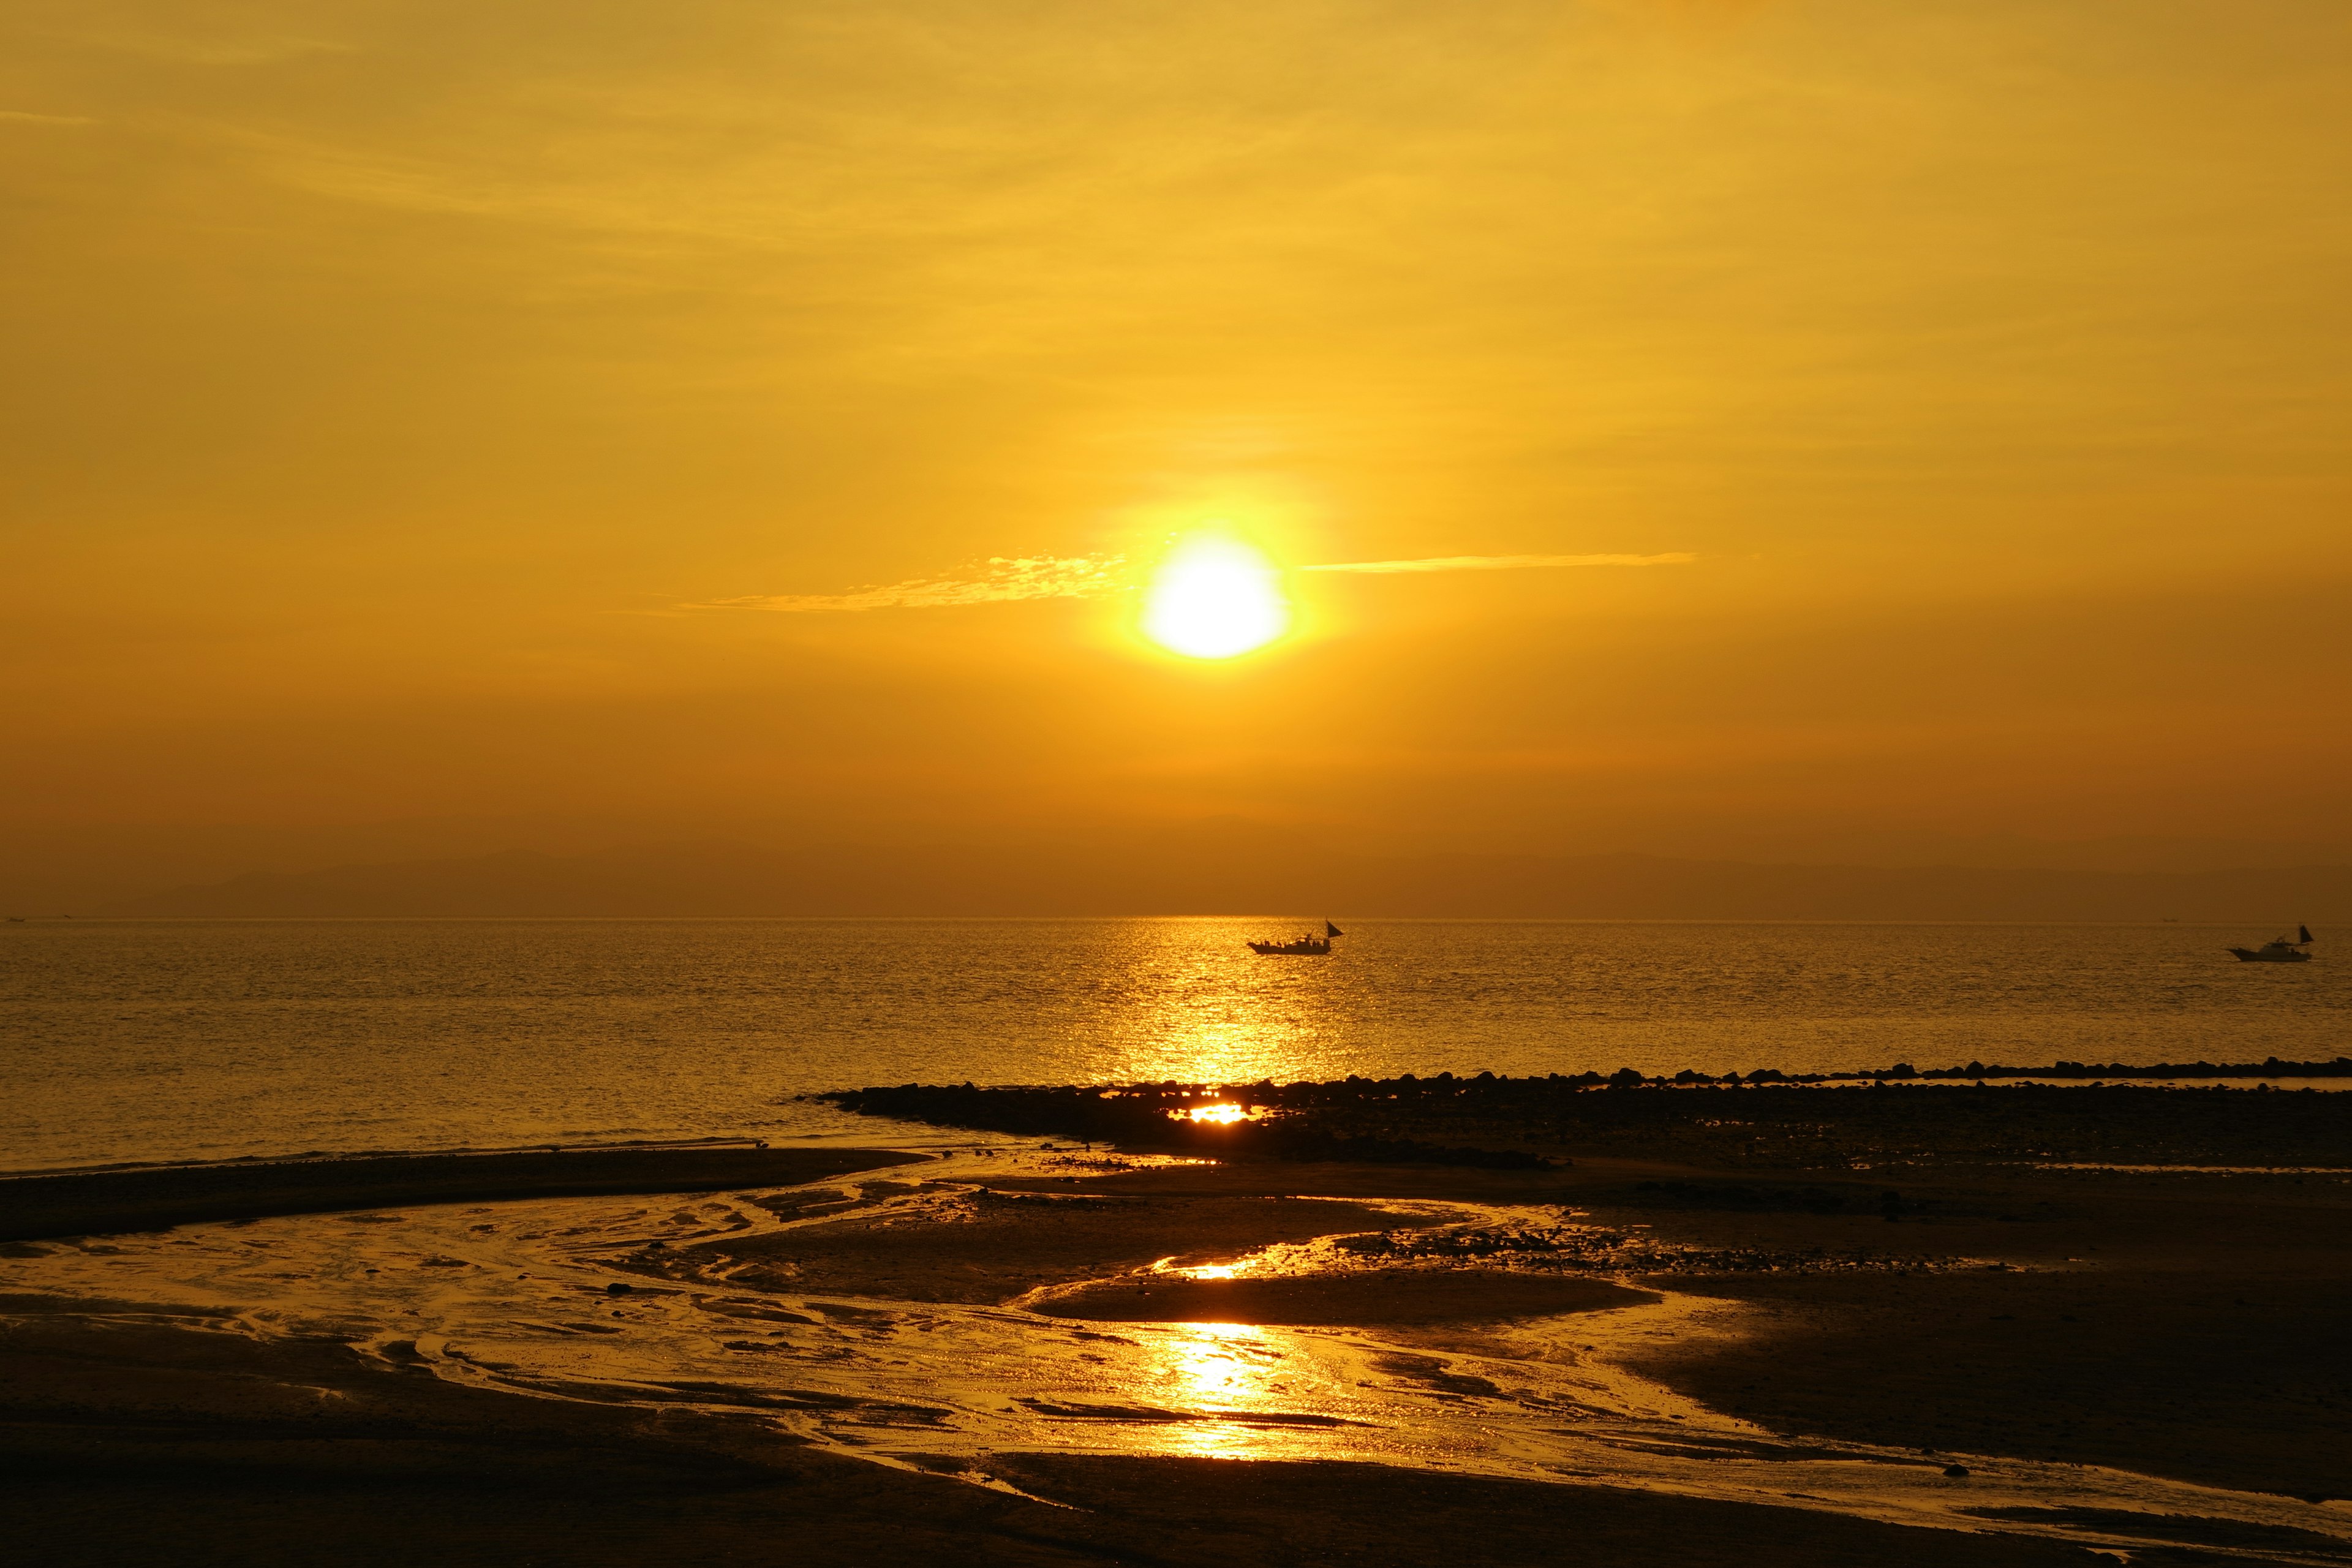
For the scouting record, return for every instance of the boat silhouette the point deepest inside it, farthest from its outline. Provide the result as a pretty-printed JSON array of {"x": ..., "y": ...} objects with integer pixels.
[
  {"x": 2278, "y": 949},
  {"x": 1309, "y": 946}
]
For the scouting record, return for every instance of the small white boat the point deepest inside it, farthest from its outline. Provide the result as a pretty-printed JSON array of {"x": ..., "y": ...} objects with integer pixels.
[{"x": 2278, "y": 949}]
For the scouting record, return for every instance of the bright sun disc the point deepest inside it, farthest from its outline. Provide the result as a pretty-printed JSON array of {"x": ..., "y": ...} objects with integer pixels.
[{"x": 1215, "y": 598}]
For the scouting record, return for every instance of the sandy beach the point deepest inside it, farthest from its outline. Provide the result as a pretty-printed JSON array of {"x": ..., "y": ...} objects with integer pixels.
[
  {"x": 1709, "y": 1351},
  {"x": 154, "y": 1197},
  {"x": 158, "y": 1441}
]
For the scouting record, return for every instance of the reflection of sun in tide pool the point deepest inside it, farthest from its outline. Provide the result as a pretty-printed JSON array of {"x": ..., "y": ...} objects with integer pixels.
[
  {"x": 1212, "y": 1370},
  {"x": 1214, "y": 598},
  {"x": 1221, "y": 1114},
  {"x": 1213, "y": 1362}
]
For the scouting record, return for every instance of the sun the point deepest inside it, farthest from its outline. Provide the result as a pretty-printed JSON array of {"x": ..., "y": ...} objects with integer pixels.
[{"x": 1214, "y": 597}]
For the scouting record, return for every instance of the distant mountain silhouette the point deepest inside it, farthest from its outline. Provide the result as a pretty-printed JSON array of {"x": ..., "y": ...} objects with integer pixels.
[{"x": 1249, "y": 876}]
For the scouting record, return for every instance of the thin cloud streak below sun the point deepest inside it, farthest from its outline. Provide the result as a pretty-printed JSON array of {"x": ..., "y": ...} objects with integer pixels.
[
  {"x": 1011, "y": 579},
  {"x": 1503, "y": 563},
  {"x": 1005, "y": 581}
]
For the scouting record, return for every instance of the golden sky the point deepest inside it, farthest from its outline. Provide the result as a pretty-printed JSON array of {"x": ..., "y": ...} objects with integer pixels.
[{"x": 607, "y": 422}]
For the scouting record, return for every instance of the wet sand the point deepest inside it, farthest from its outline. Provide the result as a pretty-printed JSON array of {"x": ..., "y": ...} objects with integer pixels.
[
  {"x": 2188, "y": 1325},
  {"x": 2179, "y": 1326},
  {"x": 97, "y": 1203},
  {"x": 991, "y": 1245},
  {"x": 150, "y": 1438},
  {"x": 2192, "y": 1326},
  {"x": 1364, "y": 1300}
]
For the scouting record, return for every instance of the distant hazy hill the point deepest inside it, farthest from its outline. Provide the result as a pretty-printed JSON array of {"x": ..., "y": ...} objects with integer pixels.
[{"x": 1251, "y": 877}]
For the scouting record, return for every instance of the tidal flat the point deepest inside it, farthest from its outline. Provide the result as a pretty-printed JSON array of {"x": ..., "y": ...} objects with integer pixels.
[{"x": 1771, "y": 1337}]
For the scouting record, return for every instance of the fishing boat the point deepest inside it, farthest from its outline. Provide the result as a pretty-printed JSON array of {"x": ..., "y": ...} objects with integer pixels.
[
  {"x": 2278, "y": 949},
  {"x": 1309, "y": 946}
]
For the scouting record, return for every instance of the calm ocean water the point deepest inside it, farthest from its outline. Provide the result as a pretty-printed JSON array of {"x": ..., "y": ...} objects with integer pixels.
[{"x": 165, "y": 1040}]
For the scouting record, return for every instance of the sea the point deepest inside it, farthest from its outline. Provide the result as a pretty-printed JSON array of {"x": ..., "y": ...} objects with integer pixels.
[{"x": 142, "y": 1041}]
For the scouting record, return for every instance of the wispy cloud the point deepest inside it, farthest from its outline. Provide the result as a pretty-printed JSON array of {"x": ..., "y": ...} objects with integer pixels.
[
  {"x": 1007, "y": 579},
  {"x": 26, "y": 117},
  {"x": 1004, "y": 580},
  {"x": 1503, "y": 563}
]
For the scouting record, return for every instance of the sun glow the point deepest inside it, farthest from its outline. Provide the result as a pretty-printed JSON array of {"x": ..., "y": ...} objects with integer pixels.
[
  {"x": 1214, "y": 598},
  {"x": 1223, "y": 1115}
]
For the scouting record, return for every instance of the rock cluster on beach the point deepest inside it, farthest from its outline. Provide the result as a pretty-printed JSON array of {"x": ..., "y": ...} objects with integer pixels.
[{"x": 1500, "y": 1123}]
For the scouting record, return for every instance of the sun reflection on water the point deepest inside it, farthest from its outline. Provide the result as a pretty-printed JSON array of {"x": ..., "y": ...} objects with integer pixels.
[
  {"x": 1234, "y": 1384},
  {"x": 1193, "y": 1005},
  {"x": 1211, "y": 1362}
]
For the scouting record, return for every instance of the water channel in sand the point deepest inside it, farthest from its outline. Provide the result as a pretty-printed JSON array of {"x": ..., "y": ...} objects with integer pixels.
[{"x": 519, "y": 1296}]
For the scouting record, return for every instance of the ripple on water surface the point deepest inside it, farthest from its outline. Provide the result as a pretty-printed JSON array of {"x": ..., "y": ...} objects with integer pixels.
[{"x": 208, "y": 1039}]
